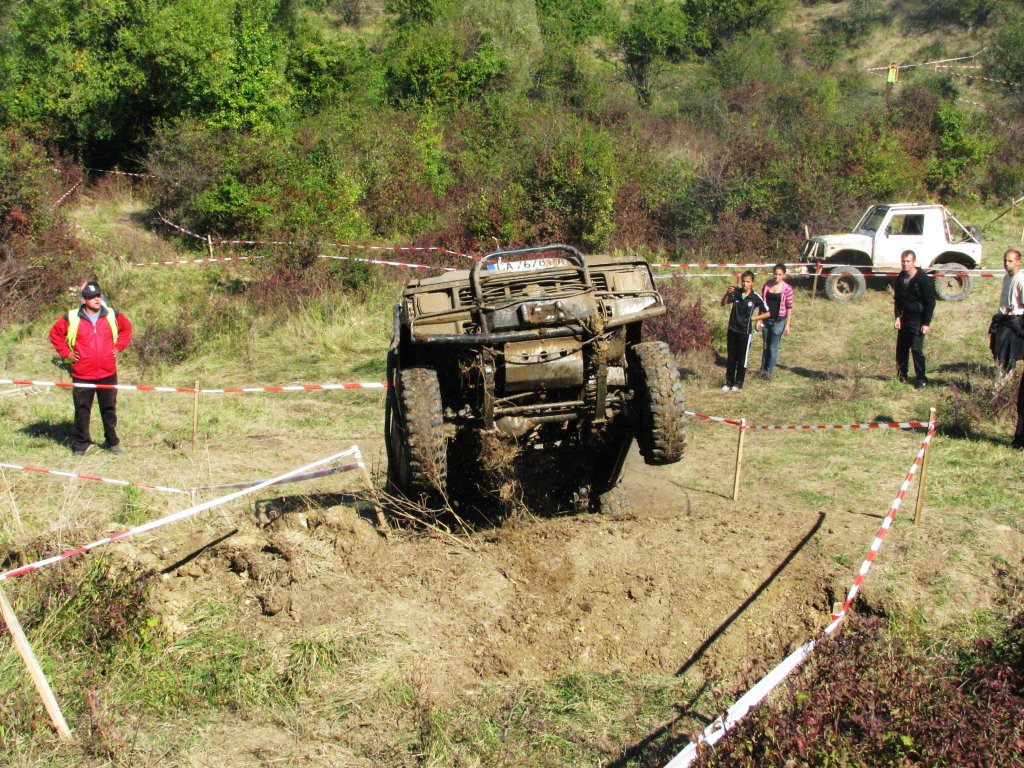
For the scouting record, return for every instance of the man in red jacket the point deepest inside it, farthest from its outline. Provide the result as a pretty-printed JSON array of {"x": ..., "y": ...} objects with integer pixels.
[{"x": 91, "y": 337}]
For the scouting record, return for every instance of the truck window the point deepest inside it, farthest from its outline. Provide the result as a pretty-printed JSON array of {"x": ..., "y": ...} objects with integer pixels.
[
  {"x": 873, "y": 222},
  {"x": 907, "y": 224}
]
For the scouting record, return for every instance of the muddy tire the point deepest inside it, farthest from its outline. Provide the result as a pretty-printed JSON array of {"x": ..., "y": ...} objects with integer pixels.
[
  {"x": 661, "y": 428},
  {"x": 614, "y": 502},
  {"x": 417, "y": 452},
  {"x": 845, "y": 284},
  {"x": 953, "y": 287}
]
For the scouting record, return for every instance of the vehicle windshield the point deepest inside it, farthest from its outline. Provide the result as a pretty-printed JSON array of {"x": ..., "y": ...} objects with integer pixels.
[{"x": 871, "y": 221}]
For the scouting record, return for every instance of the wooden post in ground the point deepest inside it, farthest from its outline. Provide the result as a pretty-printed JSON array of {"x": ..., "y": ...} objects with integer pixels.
[
  {"x": 814, "y": 289},
  {"x": 195, "y": 414},
  {"x": 34, "y": 670},
  {"x": 739, "y": 461},
  {"x": 209, "y": 244},
  {"x": 382, "y": 522},
  {"x": 924, "y": 471}
]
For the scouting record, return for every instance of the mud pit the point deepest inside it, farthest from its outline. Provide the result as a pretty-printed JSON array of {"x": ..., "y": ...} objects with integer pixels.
[{"x": 687, "y": 580}]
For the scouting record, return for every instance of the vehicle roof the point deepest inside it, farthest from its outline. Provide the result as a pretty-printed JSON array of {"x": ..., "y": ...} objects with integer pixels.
[{"x": 908, "y": 205}]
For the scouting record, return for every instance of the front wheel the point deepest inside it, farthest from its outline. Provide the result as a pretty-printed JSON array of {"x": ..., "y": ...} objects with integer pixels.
[
  {"x": 845, "y": 284},
  {"x": 661, "y": 432},
  {"x": 950, "y": 286},
  {"x": 417, "y": 449}
]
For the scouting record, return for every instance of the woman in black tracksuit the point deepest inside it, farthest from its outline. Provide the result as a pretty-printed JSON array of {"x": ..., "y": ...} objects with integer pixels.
[{"x": 747, "y": 308}]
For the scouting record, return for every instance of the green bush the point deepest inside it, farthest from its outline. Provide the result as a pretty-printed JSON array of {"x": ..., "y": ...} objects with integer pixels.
[
  {"x": 572, "y": 184},
  {"x": 434, "y": 67},
  {"x": 962, "y": 147}
]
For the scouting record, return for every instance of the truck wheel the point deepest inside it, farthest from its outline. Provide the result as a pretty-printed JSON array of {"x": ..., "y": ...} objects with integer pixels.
[
  {"x": 845, "y": 284},
  {"x": 661, "y": 432},
  {"x": 416, "y": 441},
  {"x": 953, "y": 287}
]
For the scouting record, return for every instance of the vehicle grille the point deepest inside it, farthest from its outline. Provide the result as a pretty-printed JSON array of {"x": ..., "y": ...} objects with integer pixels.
[{"x": 550, "y": 283}]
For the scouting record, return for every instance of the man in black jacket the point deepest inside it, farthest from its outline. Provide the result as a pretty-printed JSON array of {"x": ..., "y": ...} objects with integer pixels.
[{"x": 913, "y": 304}]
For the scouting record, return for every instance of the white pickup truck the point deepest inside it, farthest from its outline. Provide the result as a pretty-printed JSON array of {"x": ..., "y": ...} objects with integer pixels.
[{"x": 942, "y": 244}]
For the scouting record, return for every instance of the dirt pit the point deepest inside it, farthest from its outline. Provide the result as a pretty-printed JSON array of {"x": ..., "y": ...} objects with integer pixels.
[{"x": 688, "y": 580}]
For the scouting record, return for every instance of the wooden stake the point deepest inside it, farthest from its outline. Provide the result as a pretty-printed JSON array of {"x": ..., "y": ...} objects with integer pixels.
[
  {"x": 924, "y": 471},
  {"x": 382, "y": 522},
  {"x": 195, "y": 415},
  {"x": 209, "y": 244},
  {"x": 34, "y": 670},
  {"x": 739, "y": 461},
  {"x": 814, "y": 290}
]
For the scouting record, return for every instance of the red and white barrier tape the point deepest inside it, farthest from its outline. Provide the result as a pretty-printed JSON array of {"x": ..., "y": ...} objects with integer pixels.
[
  {"x": 93, "y": 478},
  {"x": 192, "y": 390},
  {"x": 296, "y": 479},
  {"x": 386, "y": 263},
  {"x": 717, "y": 729},
  {"x": 719, "y": 419},
  {"x": 890, "y": 517},
  {"x": 176, "y": 516},
  {"x": 123, "y": 173},
  {"x": 868, "y": 425},
  {"x": 195, "y": 261},
  {"x": 710, "y": 265},
  {"x": 809, "y": 427},
  {"x": 393, "y": 248},
  {"x": 63, "y": 197},
  {"x": 188, "y": 232},
  {"x": 93, "y": 235}
]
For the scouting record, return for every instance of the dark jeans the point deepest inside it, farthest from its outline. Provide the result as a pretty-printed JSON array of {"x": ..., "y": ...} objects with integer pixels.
[
  {"x": 82, "y": 398},
  {"x": 771, "y": 333},
  {"x": 1018, "y": 436},
  {"x": 910, "y": 340},
  {"x": 738, "y": 347}
]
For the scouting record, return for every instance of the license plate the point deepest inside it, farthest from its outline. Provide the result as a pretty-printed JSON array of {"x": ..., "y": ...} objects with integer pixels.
[{"x": 527, "y": 265}]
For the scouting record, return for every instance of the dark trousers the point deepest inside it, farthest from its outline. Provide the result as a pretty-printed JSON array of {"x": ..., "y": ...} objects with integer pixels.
[
  {"x": 1018, "y": 436},
  {"x": 738, "y": 349},
  {"x": 82, "y": 398},
  {"x": 909, "y": 339}
]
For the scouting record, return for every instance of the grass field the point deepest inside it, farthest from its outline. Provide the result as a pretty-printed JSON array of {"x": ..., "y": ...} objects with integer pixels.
[{"x": 547, "y": 641}]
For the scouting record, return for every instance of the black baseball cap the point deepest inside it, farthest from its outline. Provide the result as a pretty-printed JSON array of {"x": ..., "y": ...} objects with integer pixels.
[{"x": 91, "y": 290}]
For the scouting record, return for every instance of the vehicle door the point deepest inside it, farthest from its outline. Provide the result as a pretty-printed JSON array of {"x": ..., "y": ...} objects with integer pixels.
[{"x": 903, "y": 230}]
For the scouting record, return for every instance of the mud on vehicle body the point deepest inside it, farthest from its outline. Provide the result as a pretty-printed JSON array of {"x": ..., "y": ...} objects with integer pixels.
[{"x": 545, "y": 352}]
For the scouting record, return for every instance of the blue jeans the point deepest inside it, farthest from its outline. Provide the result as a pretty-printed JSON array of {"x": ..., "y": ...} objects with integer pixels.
[{"x": 771, "y": 332}]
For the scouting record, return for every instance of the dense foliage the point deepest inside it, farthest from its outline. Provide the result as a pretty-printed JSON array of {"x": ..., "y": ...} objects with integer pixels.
[
  {"x": 871, "y": 699},
  {"x": 696, "y": 126}
]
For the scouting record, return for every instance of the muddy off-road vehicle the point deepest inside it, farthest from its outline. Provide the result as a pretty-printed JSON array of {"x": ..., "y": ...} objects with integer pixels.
[
  {"x": 942, "y": 244},
  {"x": 540, "y": 348}
]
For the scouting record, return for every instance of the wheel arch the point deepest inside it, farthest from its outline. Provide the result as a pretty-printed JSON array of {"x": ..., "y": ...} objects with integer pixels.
[
  {"x": 955, "y": 257},
  {"x": 850, "y": 256}
]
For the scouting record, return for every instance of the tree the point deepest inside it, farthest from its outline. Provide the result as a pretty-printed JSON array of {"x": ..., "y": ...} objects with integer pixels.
[
  {"x": 655, "y": 33},
  {"x": 1004, "y": 59}
]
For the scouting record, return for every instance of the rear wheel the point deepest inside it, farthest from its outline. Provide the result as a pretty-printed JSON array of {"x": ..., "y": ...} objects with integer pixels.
[
  {"x": 950, "y": 286},
  {"x": 845, "y": 284},
  {"x": 417, "y": 452},
  {"x": 661, "y": 432}
]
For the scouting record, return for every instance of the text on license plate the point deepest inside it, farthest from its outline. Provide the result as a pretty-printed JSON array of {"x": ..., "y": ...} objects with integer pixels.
[{"x": 527, "y": 265}]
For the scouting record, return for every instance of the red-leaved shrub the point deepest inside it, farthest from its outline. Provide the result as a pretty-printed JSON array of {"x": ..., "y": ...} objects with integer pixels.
[{"x": 685, "y": 326}]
